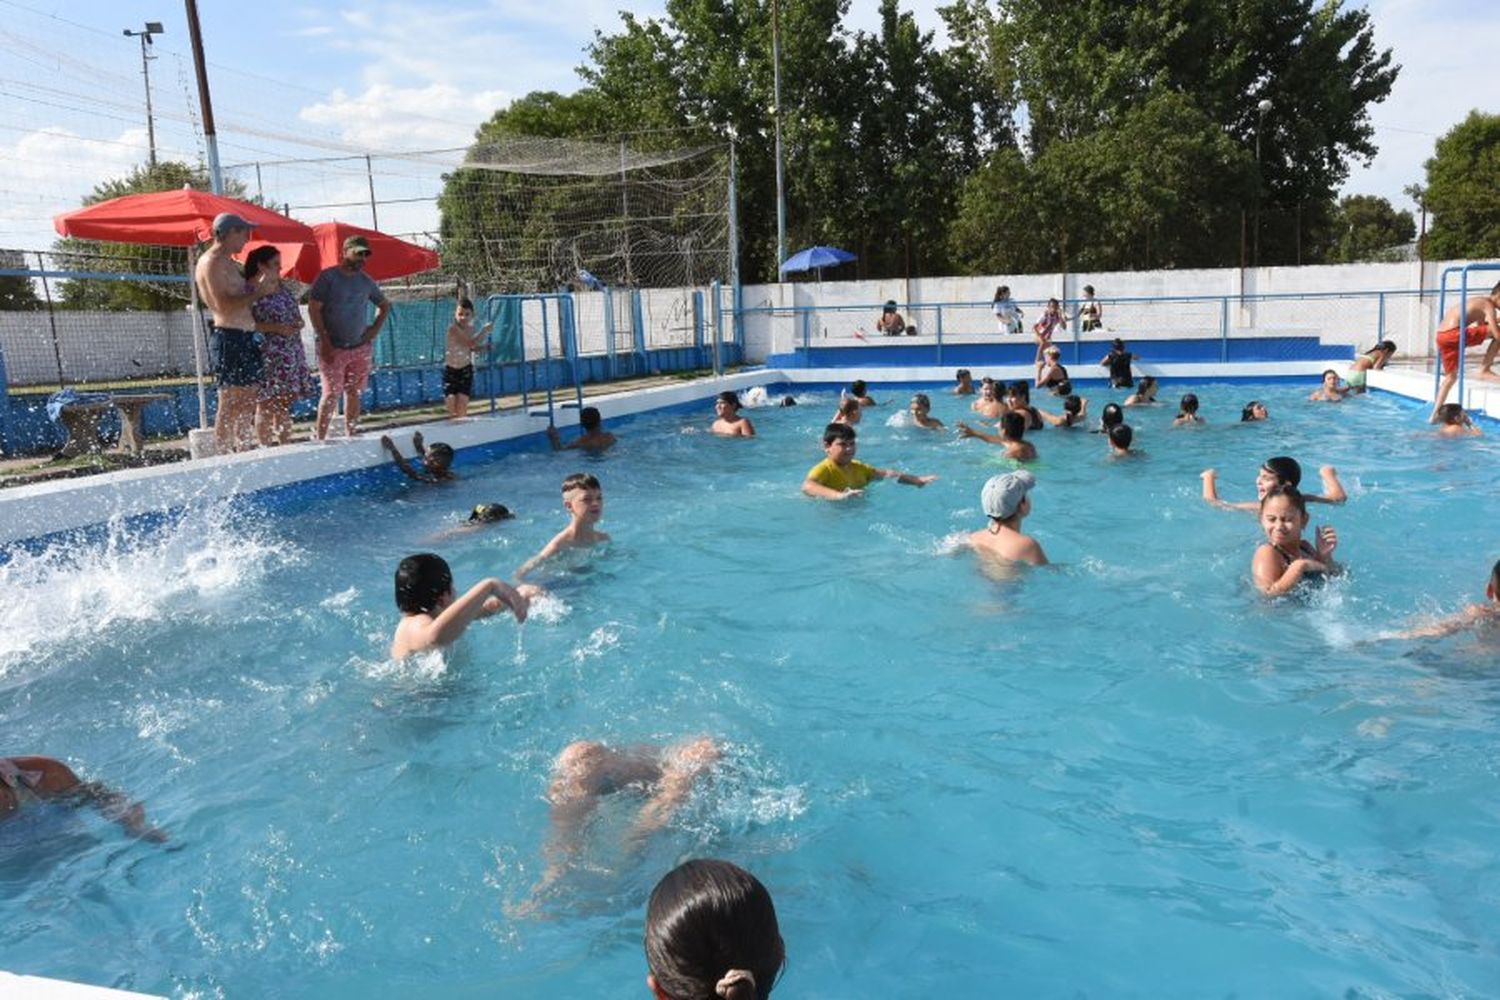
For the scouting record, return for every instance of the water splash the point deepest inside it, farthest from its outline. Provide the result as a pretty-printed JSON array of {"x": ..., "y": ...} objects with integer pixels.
[{"x": 71, "y": 595}]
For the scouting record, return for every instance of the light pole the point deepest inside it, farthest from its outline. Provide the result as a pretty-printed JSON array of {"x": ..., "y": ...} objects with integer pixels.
[
  {"x": 152, "y": 28},
  {"x": 1260, "y": 118},
  {"x": 776, "y": 97}
]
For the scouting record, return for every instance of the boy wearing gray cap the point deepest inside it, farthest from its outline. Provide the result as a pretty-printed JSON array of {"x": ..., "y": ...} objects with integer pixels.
[{"x": 1006, "y": 501}]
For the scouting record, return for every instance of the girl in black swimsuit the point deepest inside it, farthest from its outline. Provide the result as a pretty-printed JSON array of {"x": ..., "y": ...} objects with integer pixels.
[{"x": 1285, "y": 560}]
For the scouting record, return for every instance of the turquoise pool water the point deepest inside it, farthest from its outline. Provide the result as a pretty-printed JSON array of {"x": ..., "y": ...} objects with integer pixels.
[{"x": 1125, "y": 775}]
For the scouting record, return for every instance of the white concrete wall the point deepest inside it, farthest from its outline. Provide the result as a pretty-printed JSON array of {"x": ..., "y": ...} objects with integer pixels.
[
  {"x": 1409, "y": 319},
  {"x": 95, "y": 346}
]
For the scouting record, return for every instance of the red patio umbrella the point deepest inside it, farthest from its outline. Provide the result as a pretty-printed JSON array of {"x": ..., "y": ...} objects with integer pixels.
[
  {"x": 389, "y": 257},
  {"x": 182, "y": 218}
]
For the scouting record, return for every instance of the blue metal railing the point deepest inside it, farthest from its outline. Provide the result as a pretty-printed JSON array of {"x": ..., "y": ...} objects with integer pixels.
[
  {"x": 1461, "y": 332},
  {"x": 803, "y": 316}
]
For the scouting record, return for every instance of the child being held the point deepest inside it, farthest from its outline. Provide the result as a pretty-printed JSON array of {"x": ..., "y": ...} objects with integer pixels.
[
  {"x": 583, "y": 499},
  {"x": 432, "y": 613}
]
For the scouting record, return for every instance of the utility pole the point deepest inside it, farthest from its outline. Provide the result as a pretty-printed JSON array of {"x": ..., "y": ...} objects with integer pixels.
[
  {"x": 776, "y": 97},
  {"x": 152, "y": 28},
  {"x": 210, "y": 134},
  {"x": 1260, "y": 119}
]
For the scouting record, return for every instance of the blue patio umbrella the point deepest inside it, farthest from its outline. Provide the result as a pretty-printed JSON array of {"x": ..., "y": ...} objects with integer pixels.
[{"x": 816, "y": 258}]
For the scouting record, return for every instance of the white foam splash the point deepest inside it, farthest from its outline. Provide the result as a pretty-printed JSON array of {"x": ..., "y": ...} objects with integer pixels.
[{"x": 71, "y": 595}]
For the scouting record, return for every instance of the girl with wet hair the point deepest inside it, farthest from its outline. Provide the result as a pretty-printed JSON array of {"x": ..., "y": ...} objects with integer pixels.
[{"x": 711, "y": 933}]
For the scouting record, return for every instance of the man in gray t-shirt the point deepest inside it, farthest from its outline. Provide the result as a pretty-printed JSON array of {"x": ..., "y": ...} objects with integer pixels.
[{"x": 338, "y": 305}]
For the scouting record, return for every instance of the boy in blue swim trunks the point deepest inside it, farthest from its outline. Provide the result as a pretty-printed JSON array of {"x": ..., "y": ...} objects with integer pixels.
[{"x": 840, "y": 477}]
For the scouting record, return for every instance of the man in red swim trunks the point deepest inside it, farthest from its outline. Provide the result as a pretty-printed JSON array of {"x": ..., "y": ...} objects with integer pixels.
[{"x": 1459, "y": 331}]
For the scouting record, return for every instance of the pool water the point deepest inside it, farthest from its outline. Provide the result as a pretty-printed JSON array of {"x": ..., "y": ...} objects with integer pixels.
[{"x": 1124, "y": 775}]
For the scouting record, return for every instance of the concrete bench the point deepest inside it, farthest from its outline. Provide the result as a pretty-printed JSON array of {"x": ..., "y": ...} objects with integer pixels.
[{"x": 81, "y": 420}]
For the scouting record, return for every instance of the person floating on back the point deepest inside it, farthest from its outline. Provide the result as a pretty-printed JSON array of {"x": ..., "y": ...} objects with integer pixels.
[
  {"x": 711, "y": 933},
  {"x": 1187, "y": 412},
  {"x": 583, "y": 499},
  {"x": 727, "y": 419},
  {"x": 1118, "y": 362},
  {"x": 594, "y": 437},
  {"x": 1330, "y": 391},
  {"x": 1006, "y": 501},
  {"x": 1279, "y": 470},
  {"x": 437, "y": 459},
  {"x": 1286, "y": 559},
  {"x": 840, "y": 477},
  {"x": 458, "y": 360},
  {"x": 1485, "y": 615},
  {"x": 43, "y": 779},
  {"x": 921, "y": 413},
  {"x": 1012, "y": 436},
  {"x": 432, "y": 613},
  {"x": 1453, "y": 421}
]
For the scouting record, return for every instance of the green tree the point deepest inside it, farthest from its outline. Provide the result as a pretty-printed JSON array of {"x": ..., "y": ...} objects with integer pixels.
[
  {"x": 1367, "y": 227},
  {"x": 1461, "y": 194},
  {"x": 130, "y": 258},
  {"x": 16, "y": 293},
  {"x": 1083, "y": 67}
]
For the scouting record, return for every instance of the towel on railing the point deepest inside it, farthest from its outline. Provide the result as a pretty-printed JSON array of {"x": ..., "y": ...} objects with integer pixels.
[{"x": 64, "y": 398}]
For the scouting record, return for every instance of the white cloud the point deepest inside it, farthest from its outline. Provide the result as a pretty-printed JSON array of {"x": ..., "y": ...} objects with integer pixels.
[
  {"x": 383, "y": 116},
  {"x": 50, "y": 170}
]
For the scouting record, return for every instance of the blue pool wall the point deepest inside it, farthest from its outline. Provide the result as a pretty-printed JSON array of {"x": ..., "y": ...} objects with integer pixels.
[{"x": 25, "y": 428}]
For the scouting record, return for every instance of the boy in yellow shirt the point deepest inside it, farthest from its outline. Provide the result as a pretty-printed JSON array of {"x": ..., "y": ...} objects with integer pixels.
[{"x": 839, "y": 476}]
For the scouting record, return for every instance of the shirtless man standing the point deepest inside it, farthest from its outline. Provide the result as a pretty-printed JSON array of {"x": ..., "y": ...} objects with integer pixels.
[
  {"x": 240, "y": 365},
  {"x": 1456, "y": 332}
]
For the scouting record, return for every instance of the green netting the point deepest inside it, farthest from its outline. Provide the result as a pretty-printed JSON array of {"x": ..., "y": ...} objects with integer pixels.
[{"x": 415, "y": 332}]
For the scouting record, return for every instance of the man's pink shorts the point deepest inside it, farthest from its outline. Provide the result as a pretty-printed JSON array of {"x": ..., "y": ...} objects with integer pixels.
[{"x": 348, "y": 370}]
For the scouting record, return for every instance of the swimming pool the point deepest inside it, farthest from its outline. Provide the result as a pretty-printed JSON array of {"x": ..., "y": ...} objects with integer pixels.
[{"x": 1123, "y": 776}]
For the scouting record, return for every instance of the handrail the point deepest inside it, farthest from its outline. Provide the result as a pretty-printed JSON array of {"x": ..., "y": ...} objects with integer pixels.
[{"x": 1463, "y": 326}]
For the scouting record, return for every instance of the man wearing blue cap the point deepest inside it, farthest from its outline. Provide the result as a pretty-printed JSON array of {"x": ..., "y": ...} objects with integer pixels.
[
  {"x": 239, "y": 365},
  {"x": 338, "y": 305}
]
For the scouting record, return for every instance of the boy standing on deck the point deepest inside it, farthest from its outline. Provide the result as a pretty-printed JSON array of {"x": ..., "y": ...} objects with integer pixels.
[
  {"x": 583, "y": 499},
  {"x": 839, "y": 476},
  {"x": 458, "y": 361}
]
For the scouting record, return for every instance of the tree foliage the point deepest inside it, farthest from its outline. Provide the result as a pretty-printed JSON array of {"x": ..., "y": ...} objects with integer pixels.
[
  {"x": 16, "y": 293},
  {"x": 1043, "y": 134},
  {"x": 1368, "y": 228},
  {"x": 131, "y": 258},
  {"x": 1461, "y": 192}
]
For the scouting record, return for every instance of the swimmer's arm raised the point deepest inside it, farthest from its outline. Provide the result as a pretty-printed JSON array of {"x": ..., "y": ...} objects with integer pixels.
[
  {"x": 1333, "y": 490},
  {"x": 402, "y": 463},
  {"x": 482, "y": 600},
  {"x": 1211, "y": 493}
]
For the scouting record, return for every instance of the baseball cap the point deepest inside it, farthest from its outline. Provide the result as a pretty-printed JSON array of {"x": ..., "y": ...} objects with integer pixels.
[
  {"x": 1002, "y": 495},
  {"x": 357, "y": 243},
  {"x": 226, "y": 221}
]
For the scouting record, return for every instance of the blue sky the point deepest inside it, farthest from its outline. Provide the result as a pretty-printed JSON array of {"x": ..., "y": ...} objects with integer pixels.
[{"x": 295, "y": 81}]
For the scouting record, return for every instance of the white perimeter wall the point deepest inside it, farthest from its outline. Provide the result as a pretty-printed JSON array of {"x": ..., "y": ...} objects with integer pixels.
[{"x": 1409, "y": 319}]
